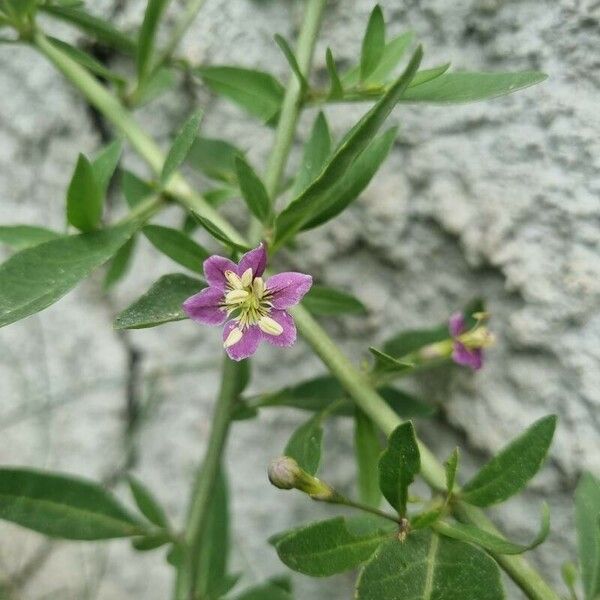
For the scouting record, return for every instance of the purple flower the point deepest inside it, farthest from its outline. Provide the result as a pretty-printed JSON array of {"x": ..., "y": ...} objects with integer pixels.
[
  {"x": 462, "y": 353},
  {"x": 256, "y": 309}
]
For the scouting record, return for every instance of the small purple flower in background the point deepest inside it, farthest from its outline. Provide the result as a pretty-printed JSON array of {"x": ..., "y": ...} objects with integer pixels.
[
  {"x": 468, "y": 345},
  {"x": 256, "y": 307}
]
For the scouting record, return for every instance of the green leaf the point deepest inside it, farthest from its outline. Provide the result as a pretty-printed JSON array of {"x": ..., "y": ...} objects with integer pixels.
[
  {"x": 147, "y": 503},
  {"x": 181, "y": 146},
  {"x": 214, "y": 554},
  {"x": 177, "y": 246},
  {"x": 218, "y": 234},
  {"x": 328, "y": 547},
  {"x": 510, "y": 470},
  {"x": 88, "y": 61},
  {"x": 386, "y": 363},
  {"x": 570, "y": 575},
  {"x": 398, "y": 465},
  {"x": 160, "y": 304},
  {"x": 267, "y": 591},
  {"x": 322, "y": 300},
  {"x": 151, "y": 542},
  {"x": 292, "y": 61},
  {"x": 373, "y": 43},
  {"x": 314, "y": 394},
  {"x": 253, "y": 190},
  {"x": 355, "y": 181},
  {"x": 316, "y": 152},
  {"x": 157, "y": 83},
  {"x": 405, "y": 405},
  {"x": 120, "y": 263},
  {"x": 412, "y": 340},
  {"x": 98, "y": 28},
  {"x": 19, "y": 237},
  {"x": 428, "y": 75},
  {"x": 429, "y": 567},
  {"x": 452, "y": 88},
  {"x": 64, "y": 507},
  {"x": 147, "y": 35},
  {"x": 491, "y": 542},
  {"x": 305, "y": 444},
  {"x": 451, "y": 467},
  {"x": 367, "y": 448},
  {"x": 37, "y": 277},
  {"x": 257, "y": 92},
  {"x": 135, "y": 189},
  {"x": 336, "y": 90},
  {"x": 215, "y": 158},
  {"x": 105, "y": 164},
  {"x": 84, "y": 197},
  {"x": 309, "y": 203},
  {"x": 587, "y": 523}
]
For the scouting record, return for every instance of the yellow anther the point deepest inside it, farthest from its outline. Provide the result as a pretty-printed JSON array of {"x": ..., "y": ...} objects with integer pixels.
[
  {"x": 258, "y": 287},
  {"x": 247, "y": 278},
  {"x": 236, "y": 296},
  {"x": 270, "y": 326},
  {"x": 235, "y": 335},
  {"x": 234, "y": 280}
]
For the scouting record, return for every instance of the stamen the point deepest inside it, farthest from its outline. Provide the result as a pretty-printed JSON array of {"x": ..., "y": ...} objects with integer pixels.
[
  {"x": 247, "y": 278},
  {"x": 270, "y": 326},
  {"x": 234, "y": 280},
  {"x": 235, "y": 335},
  {"x": 258, "y": 287},
  {"x": 236, "y": 296}
]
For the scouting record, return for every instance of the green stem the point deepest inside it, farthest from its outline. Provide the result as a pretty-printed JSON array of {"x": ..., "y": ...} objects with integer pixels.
[
  {"x": 351, "y": 378},
  {"x": 119, "y": 116},
  {"x": 364, "y": 507},
  {"x": 198, "y": 514}
]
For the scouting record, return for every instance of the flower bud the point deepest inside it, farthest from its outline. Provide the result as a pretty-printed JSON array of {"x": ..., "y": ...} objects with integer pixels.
[{"x": 286, "y": 474}]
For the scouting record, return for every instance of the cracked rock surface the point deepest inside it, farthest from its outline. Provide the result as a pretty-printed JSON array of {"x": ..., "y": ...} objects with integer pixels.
[{"x": 497, "y": 199}]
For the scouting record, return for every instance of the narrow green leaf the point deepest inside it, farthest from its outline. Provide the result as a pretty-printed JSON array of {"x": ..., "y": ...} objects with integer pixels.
[
  {"x": 373, "y": 43},
  {"x": 386, "y": 363},
  {"x": 398, "y": 465},
  {"x": 358, "y": 177},
  {"x": 405, "y": 405},
  {"x": 156, "y": 83},
  {"x": 98, "y": 28},
  {"x": 88, "y": 61},
  {"x": 429, "y": 567},
  {"x": 19, "y": 237},
  {"x": 120, "y": 263},
  {"x": 177, "y": 246},
  {"x": 491, "y": 542},
  {"x": 267, "y": 591},
  {"x": 84, "y": 197},
  {"x": 37, "y": 277},
  {"x": 181, "y": 146},
  {"x": 587, "y": 523},
  {"x": 328, "y": 547},
  {"x": 309, "y": 203},
  {"x": 367, "y": 447},
  {"x": 147, "y": 503},
  {"x": 147, "y": 35},
  {"x": 160, "y": 304},
  {"x": 150, "y": 542},
  {"x": 512, "y": 468},
  {"x": 64, "y": 507},
  {"x": 257, "y": 92},
  {"x": 322, "y": 300},
  {"x": 570, "y": 575},
  {"x": 451, "y": 467},
  {"x": 218, "y": 234},
  {"x": 316, "y": 152},
  {"x": 305, "y": 444},
  {"x": 453, "y": 88},
  {"x": 336, "y": 90},
  {"x": 215, "y": 158},
  {"x": 105, "y": 164},
  {"x": 214, "y": 554},
  {"x": 253, "y": 191},
  {"x": 428, "y": 75},
  {"x": 134, "y": 189},
  {"x": 292, "y": 61}
]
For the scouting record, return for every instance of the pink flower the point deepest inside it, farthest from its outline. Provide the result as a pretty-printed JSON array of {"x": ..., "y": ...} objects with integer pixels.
[
  {"x": 462, "y": 353},
  {"x": 255, "y": 308}
]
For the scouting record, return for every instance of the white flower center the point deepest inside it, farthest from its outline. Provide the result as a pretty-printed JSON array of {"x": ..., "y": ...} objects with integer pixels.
[{"x": 247, "y": 298}]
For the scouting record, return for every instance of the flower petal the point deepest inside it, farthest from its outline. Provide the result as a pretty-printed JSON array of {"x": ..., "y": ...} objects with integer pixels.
[
  {"x": 288, "y": 289},
  {"x": 288, "y": 336},
  {"x": 247, "y": 344},
  {"x": 456, "y": 324},
  {"x": 204, "y": 307},
  {"x": 214, "y": 270},
  {"x": 254, "y": 259},
  {"x": 467, "y": 357}
]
